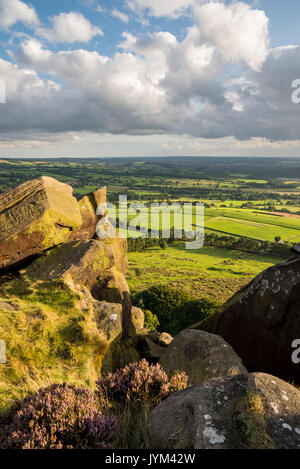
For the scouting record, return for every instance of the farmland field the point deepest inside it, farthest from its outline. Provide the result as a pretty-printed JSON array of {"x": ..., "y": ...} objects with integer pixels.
[
  {"x": 251, "y": 229},
  {"x": 242, "y": 198},
  {"x": 245, "y": 223}
]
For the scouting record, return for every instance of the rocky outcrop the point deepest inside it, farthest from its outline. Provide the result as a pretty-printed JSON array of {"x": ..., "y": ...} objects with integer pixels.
[
  {"x": 89, "y": 263},
  {"x": 88, "y": 269},
  {"x": 76, "y": 263},
  {"x": 111, "y": 287},
  {"x": 108, "y": 316},
  {"x": 41, "y": 218},
  {"x": 88, "y": 207},
  {"x": 65, "y": 305},
  {"x": 262, "y": 321},
  {"x": 138, "y": 318},
  {"x": 202, "y": 356},
  {"x": 43, "y": 213},
  {"x": 35, "y": 216},
  {"x": 240, "y": 412}
]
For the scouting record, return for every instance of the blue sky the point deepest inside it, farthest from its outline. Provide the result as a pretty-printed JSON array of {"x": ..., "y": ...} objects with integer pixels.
[
  {"x": 149, "y": 78},
  {"x": 283, "y": 17}
]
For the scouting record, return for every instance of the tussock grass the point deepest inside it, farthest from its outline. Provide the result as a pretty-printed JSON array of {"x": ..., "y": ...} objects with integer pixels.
[
  {"x": 132, "y": 424},
  {"x": 48, "y": 340}
]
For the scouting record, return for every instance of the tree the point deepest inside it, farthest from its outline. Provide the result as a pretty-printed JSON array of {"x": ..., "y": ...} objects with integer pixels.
[
  {"x": 151, "y": 320},
  {"x": 175, "y": 309},
  {"x": 163, "y": 244}
]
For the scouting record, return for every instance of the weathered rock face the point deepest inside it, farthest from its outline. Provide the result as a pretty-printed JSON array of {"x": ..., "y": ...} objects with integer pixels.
[
  {"x": 111, "y": 287},
  {"x": 281, "y": 404},
  {"x": 202, "y": 356},
  {"x": 261, "y": 321},
  {"x": 82, "y": 263},
  {"x": 188, "y": 416},
  {"x": 108, "y": 316},
  {"x": 89, "y": 269},
  {"x": 70, "y": 287},
  {"x": 35, "y": 216},
  {"x": 43, "y": 213},
  {"x": 138, "y": 318},
  {"x": 78, "y": 262},
  {"x": 238, "y": 412},
  {"x": 88, "y": 207}
]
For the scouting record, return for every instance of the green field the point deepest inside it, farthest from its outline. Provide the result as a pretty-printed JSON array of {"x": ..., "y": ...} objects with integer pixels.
[
  {"x": 240, "y": 222},
  {"x": 263, "y": 217},
  {"x": 251, "y": 229},
  {"x": 211, "y": 272}
]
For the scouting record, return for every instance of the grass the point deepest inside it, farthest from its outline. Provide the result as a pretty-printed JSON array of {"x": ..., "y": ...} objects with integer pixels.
[
  {"x": 250, "y": 421},
  {"x": 84, "y": 190},
  {"x": 264, "y": 218},
  {"x": 252, "y": 230},
  {"x": 48, "y": 339},
  {"x": 132, "y": 425},
  {"x": 212, "y": 272}
]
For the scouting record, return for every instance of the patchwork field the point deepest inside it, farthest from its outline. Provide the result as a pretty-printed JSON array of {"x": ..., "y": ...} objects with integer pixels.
[
  {"x": 241, "y": 196},
  {"x": 253, "y": 224},
  {"x": 251, "y": 229}
]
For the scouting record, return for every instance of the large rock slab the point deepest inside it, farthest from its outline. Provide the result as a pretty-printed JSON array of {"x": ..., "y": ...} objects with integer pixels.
[
  {"x": 262, "y": 321},
  {"x": 35, "y": 216},
  {"x": 198, "y": 417},
  {"x": 240, "y": 412},
  {"x": 112, "y": 287},
  {"x": 88, "y": 263},
  {"x": 202, "y": 356},
  {"x": 109, "y": 318},
  {"x": 75, "y": 263},
  {"x": 119, "y": 248}
]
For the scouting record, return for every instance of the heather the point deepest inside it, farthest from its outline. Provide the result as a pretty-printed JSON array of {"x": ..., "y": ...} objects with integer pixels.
[
  {"x": 131, "y": 393},
  {"x": 59, "y": 417},
  {"x": 63, "y": 416},
  {"x": 140, "y": 381}
]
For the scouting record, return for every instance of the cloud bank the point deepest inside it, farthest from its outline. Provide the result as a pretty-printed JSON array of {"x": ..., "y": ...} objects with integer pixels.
[{"x": 220, "y": 80}]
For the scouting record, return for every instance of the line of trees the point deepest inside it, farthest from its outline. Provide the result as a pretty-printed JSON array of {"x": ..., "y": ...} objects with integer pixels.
[{"x": 276, "y": 248}]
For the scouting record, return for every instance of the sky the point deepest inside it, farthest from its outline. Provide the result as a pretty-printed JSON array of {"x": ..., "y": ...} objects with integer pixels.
[{"x": 111, "y": 78}]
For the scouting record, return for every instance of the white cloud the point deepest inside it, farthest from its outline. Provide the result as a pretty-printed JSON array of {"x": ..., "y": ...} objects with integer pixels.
[
  {"x": 14, "y": 11},
  {"x": 120, "y": 15},
  {"x": 158, "y": 8},
  {"x": 69, "y": 27},
  {"x": 159, "y": 84},
  {"x": 237, "y": 31}
]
